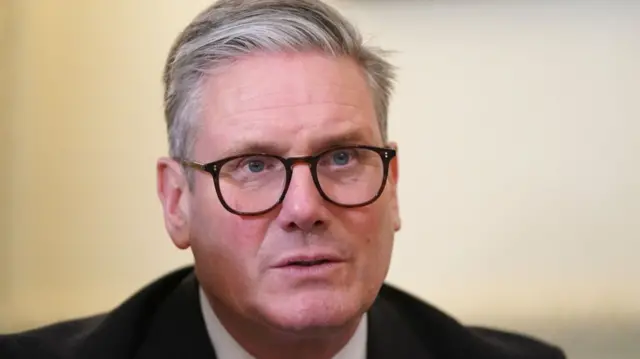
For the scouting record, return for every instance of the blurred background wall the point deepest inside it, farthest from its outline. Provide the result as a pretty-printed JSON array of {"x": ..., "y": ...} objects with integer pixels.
[{"x": 519, "y": 131}]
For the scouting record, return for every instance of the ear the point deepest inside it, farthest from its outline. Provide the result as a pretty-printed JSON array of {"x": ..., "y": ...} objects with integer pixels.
[
  {"x": 394, "y": 176},
  {"x": 174, "y": 193}
]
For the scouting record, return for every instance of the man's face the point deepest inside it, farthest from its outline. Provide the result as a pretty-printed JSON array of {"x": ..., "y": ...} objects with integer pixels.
[{"x": 294, "y": 105}]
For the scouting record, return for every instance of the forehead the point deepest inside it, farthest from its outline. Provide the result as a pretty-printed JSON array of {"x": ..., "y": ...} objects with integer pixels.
[{"x": 296, "y": 100}]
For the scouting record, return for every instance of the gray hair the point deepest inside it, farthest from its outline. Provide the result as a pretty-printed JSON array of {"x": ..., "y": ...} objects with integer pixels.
[{"x": 229, "y": 29}]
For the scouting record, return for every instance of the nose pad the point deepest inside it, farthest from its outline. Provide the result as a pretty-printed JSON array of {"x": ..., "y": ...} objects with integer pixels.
[
  {"x": 302, "y": 206},
  {"x": 302, "y": 177}
]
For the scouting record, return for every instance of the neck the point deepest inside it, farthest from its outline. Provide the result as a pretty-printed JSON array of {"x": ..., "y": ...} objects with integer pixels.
[{"x": 264, "y": 342}]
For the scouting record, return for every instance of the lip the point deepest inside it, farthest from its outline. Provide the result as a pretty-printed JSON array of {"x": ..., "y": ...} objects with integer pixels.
[{"x": 323, "y": 257}]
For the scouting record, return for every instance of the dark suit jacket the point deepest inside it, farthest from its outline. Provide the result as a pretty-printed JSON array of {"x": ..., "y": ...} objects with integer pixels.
[{"x": 163, "y": 321}]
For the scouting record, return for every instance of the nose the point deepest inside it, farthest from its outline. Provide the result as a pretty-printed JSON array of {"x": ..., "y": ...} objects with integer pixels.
[{"x": 302, "y": 208}]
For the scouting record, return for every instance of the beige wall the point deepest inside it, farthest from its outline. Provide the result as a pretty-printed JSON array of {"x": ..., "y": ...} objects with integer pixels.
[
  {"x": 6, "y": 237},
  {"x": 519, "y": 131},
  {"x": 519, "y": 144}
]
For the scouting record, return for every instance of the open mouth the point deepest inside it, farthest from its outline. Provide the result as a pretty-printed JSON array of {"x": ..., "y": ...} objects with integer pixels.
[{"x": 309, "y": 263}]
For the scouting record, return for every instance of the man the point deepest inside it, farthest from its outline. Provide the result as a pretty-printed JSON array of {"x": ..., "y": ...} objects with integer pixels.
[{"x": 282, "y": 182}]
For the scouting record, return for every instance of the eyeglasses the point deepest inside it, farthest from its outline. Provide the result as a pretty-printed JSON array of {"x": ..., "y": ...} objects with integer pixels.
[{"x": 253, "y": 184}]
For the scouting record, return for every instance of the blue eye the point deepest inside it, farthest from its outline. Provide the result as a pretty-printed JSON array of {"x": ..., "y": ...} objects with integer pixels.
[
  {"x": 341, "y": 158},
  {"x": 255, "y": 166}
]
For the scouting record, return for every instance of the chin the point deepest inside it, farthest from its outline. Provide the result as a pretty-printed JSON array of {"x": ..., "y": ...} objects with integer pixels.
[{"x": 312, "y": 311}]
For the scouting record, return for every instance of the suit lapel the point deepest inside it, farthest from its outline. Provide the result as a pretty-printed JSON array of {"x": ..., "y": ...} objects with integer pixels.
[
  {"x": 390, "y": 336},
  {"x": 178, "y": 330},
  {"x": 165, "y": 321}
]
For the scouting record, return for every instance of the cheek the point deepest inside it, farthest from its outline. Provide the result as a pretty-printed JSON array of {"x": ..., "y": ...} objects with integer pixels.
[
  {"x": 214, "y": 228},
  {"x": 373, "y": 231},
  {"x": 225, "y": 246}
]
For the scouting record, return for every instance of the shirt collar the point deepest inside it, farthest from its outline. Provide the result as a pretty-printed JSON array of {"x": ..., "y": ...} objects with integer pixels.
[{"x": 227, "y": 348}]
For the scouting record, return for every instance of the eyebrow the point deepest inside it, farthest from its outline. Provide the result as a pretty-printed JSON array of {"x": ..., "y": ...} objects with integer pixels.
[
  {"x": 343, "y": 139},
  {"x": 255, "y": 146},
  {"x": 317, "y": 145}
]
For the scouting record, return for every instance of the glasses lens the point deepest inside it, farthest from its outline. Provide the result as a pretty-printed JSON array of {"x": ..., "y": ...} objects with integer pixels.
[
  {"x": 252, "y": 184},
  {"x": 351, "y": 176}
]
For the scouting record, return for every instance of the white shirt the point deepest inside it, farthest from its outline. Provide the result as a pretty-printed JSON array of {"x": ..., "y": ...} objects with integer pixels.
[{"x": 227, "y": 348}]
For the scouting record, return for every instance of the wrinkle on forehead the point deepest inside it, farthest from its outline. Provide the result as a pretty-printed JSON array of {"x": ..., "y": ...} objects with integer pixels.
[
  {"x": 280, "y": 95},
  {"x": 294, "y": 141},
  {"x": 299, "y": 78}
]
